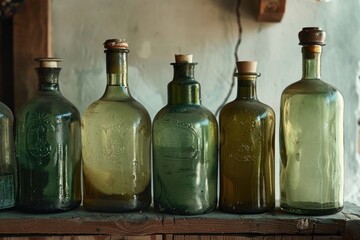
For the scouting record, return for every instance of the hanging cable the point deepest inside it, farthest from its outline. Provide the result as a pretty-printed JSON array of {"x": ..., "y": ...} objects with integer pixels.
[{"x": 237, "y": 45}]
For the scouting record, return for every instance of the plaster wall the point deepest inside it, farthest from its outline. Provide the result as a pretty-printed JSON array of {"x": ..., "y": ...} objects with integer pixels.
[{"x": 158, "y": 29}]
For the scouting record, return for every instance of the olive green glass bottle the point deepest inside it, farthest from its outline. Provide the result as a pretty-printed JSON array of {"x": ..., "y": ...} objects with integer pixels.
[
  {"x": 311, "y": 137},
  {"x": 116, "y": 143},
  {"x": 8, "y": 166},
  {"x": 48, "y": 146},
  {"x": 247, "y": 129},
  {"x": 185, "y": 142}
]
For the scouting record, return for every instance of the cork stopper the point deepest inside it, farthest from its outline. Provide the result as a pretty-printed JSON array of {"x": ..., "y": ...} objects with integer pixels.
[
  {"x": 246, "y": 66},
  {"x": 312, "y": 36},
  {"x": 116, "y": 44},
  {"x": 183, "y": 58},
  {"x": 47, "y": 62}
]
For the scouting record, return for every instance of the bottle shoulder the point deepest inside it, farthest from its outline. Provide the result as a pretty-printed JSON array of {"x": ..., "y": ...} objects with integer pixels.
[
  {"x": 49, "y": 104},
  {"x": 191, "y": 111},
  {"x": 313, "y": 86},
  {"x": 5, "y": 112},
  {"x": 239, "y": 106},
  {"x": 120, "y": 109}
]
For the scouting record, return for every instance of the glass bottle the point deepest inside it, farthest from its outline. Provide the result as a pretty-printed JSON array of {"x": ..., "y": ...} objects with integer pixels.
[
  {"x": 48, "y": 146},
  {"x": 116, "y": 142},
  {"x": 247, "y": 130},
  {"x": 311, "y": 137},
  {"x": 185, "y": 142},
  {"x": 8, "y": 166}
]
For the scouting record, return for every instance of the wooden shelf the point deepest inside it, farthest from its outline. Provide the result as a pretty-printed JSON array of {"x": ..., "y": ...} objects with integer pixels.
[{"x": 343, "y": 225}]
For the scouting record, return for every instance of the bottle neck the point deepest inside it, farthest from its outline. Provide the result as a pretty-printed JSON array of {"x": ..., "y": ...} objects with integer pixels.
[
  {"x": 48, "y": 79},
  {"x": 117, "y": 69},
  {"x": 311, "y": 56},
  {"x": 183, "y": 89},
  {"x": 247, "y": 86}
]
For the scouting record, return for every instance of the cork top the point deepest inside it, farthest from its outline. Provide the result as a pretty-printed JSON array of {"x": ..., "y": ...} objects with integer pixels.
[
  {"x": 312, "y": 36},
  {"x": 183, "y": 58},
  {"x": 48, "y": 62},
  {"x": 116, "y": 44},
  {"x": 246, "y": 66}
]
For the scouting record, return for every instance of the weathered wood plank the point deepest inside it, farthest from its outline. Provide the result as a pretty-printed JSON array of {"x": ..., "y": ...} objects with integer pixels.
[
  {"x": 80, "y": 222},
  {"x": 31, "y": 39}
]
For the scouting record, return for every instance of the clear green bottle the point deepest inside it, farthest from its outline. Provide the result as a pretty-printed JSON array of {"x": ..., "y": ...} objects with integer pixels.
[
  {"x": 311, "y": 137},
  {"x": 48, "y": 146},
  {"x": 185, "y": 142},
  {"x": 8, "y": 166},
  {"x": 116, "y": 143},
  {"x": 247, "y": 131}
]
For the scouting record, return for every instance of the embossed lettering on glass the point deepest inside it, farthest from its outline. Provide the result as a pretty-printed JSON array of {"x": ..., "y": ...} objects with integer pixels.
[{"x": 48, "y": 146}]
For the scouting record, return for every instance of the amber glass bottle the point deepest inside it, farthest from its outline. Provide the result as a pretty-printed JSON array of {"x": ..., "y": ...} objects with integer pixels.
[
  {"x": 116, "y": 143},
  {"x": 311, "y": 137},
  {"x": 48, "y": 146},
  {"x": 246, "y": 149},
  {"x": 185, "y": 142}
]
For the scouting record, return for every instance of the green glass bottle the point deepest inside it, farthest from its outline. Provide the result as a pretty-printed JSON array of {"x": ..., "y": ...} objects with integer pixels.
[
  {"x": 8, "y": 166},
  {"x": 185, "y": 142},
  {"x": 247, "y": 130},
  {"x": 48, "y": 146},
  {"x": 116, "y": 143},
  {"x": 311, "y": 137}
]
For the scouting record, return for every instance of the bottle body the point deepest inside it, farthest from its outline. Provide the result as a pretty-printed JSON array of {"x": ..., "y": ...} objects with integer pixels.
[
  {"x": 8, "y": 166},
  {"x": 311, "y": 137},
  {"x": 185, "y": 160},
  {"x": 311, "y": 148},
  {"x": 116, "y": 143},
  {"x": 247, "y": 179},
  {"x": 48, "y": 144},
  {"x": 116, "y": 156}
]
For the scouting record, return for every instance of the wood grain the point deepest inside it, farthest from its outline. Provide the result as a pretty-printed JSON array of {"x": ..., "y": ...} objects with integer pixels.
[
  {"x": 31, "y": 39},
  {"x": 80, "y": 222}
]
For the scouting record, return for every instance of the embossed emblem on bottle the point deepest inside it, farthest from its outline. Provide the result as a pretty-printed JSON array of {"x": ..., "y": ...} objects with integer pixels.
[
  {"x": 179, "y": 140},
  {"x": 40, "y": 129},
  {"x": 112, "y": 136},
  {"x": 246, "y": 149}
]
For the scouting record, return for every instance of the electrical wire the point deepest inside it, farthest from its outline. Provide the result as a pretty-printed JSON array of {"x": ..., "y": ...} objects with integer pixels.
[{"x": 237, "y": 45}]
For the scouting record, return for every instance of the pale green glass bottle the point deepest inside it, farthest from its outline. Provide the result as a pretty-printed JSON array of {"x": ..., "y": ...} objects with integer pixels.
[
  {"x": 116, "y": 143},
  {"x": 48, "y": 146},
  {"x": 185, "y": 142},
  {"x": 247, "y": 133},
  {"x": 311, "y": 137},
  {"x": 8, "y": 166}
]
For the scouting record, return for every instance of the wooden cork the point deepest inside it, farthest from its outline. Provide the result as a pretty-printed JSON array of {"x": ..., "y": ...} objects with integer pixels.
[
  {"x": 48, "y": 62},
  {"x": 183, "y": 58},
  {"x": 246, "y": 66},
  {"x": 116, "y": 44}
]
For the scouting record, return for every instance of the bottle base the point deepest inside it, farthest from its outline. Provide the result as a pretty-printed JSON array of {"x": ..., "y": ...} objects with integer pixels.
[
  {"x": 115, "y": 206},
  {"x": 188, "y": 211},
  {"x": 48, "y": 207},
  {"x": 246, "y": 209},
  {"x": 310, "y": 208}
]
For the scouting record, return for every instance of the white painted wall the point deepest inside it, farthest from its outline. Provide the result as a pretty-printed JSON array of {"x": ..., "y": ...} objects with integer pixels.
[{"x": 158, "y": 29}]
